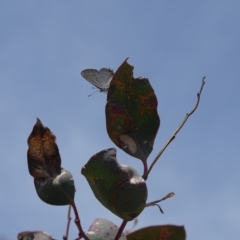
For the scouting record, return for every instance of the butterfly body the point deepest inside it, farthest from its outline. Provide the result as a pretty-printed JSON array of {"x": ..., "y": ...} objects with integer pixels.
[{"x": 100, "y": 79}]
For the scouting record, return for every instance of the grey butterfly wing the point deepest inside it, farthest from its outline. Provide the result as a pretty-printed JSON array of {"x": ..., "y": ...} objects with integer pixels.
[
  {"x": 100, "y": 79},
  {"x": 91, "y": 75},
  {"x": 105, "y": 76}
]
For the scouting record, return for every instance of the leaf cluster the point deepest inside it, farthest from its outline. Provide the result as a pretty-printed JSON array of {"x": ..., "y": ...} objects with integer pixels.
[{"x": 132, "y": 122}]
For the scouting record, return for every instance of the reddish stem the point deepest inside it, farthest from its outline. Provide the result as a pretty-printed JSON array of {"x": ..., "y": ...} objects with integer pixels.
[
  {"x": 77, "y": 221},
  {"x": 120, "y": 230}
]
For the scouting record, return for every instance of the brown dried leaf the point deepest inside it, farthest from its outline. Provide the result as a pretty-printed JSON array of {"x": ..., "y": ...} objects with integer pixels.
[{"x": 44, "y": 160}]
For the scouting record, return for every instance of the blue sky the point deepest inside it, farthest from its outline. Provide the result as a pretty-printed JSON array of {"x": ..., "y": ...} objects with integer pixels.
[{"x": 44, "y": 45}]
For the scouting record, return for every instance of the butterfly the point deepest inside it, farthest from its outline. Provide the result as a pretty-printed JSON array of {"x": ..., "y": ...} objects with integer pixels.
[{"x": 100, "y": 79}]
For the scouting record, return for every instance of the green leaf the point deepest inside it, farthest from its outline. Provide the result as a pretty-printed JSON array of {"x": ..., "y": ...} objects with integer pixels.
[
  {"x": 131, "y": 113},
  {"x": 57, "y": 191},
  {"x": 34, "y": 235},
  {"x": 118, "y": 187},
  {"x": 103, "y": 229},
  {"x": 165, "y": 232}
]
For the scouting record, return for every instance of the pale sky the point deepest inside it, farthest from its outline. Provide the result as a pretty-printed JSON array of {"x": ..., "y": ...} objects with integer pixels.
[{"x": 44, "y": 45}]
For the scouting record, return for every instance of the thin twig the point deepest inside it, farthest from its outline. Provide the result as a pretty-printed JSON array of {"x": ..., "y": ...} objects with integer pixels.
[
  {"x": 177, "y": 130},
  {"x": 65, "y": 237},
  {"x": 81, "y": 233},
  {"x": 135, "y": 222},
  {"x": 120, "y": 230},
  {"x": 155, "y": 203},
  {"x": 171, "y": 194}
]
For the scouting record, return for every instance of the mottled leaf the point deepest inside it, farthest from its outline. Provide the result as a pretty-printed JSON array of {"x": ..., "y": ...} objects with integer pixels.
[
  {"x": 57, "y": 191},
  {"x": 103, "y": 229},
  {"x": 131, "y": 113},
  {"x": 44, "y": 160},
  {"x": 118, "y": 187},
  {"x": 34, "y": 235},
  {"x": 165, "y": 232}
]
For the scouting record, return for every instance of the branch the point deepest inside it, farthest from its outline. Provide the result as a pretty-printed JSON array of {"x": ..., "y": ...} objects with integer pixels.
[
  {"x": 120, "y": 230},
  {"x": 81, "y": 233},
  {"x": 177, "y": 130},
  {"x": 65, "y": 237}
]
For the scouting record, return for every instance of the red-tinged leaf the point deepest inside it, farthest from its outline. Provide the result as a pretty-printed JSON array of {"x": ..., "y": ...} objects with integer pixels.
[
  {"x": 44, "y": 160},
  {"x": 131, "y": 113},
  {"x": 165, "y": 232},
  {"x": 118, "y": 187}
]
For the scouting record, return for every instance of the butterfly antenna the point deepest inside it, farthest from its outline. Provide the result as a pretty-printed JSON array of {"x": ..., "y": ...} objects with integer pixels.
[{"x": 92, "y": 93}]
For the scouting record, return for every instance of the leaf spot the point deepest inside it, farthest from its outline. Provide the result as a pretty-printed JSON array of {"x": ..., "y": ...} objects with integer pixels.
[{"x": 129, "y": 142}]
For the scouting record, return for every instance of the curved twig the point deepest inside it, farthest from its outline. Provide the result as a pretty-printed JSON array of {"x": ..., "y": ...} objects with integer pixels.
[
  {"x": 65, "y": 237},
  {"x": 154, "y": 203},
  {"x": 177, "y": 130}
]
